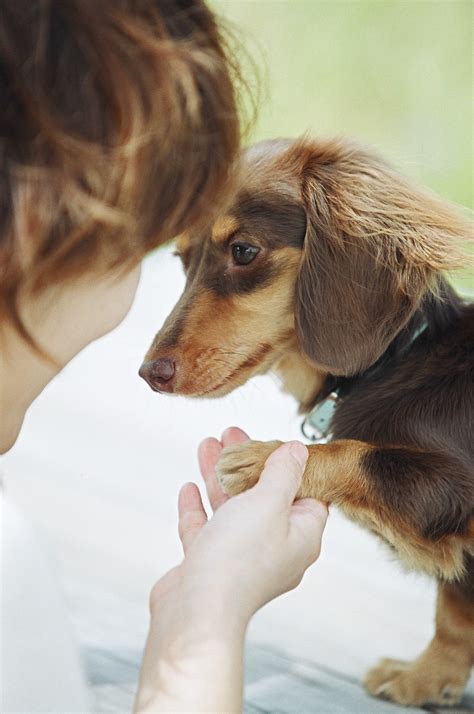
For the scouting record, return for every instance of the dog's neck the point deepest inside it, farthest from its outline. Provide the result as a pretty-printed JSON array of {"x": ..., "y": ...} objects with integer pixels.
[
  {"x": 299, "y": 377},
  {"x": 436, "y": 312}
]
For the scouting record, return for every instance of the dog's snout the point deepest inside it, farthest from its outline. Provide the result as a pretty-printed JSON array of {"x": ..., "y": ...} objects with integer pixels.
[{"x": 159, "y": 373}]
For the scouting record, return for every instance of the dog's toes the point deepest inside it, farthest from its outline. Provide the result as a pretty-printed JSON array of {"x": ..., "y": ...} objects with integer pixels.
[
  {"x": 413, "y": 684},
  {"x": 377, "y": 680},
  {"x": 240, "y": 466}
]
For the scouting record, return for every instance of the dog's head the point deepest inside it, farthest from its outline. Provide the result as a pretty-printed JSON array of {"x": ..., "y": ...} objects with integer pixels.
[{"x": 320, "y": 261}]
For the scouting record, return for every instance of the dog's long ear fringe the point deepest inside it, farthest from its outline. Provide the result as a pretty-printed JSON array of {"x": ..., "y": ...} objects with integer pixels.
[{"x": 374, "y": 246}]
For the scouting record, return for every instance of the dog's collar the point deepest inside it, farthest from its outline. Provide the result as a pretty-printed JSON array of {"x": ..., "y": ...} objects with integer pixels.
[{"x": 316, "y": 427}]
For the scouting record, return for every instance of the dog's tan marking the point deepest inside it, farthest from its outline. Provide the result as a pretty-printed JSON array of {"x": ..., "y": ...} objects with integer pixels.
[
  {"x": 299, "y": 377},
  {"x": 183, "y": 243},
  {"x": 223, "y": 228}
]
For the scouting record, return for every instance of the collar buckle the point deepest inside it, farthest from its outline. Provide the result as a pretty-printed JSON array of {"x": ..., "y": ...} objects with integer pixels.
[{"x": 317, "y": 425}]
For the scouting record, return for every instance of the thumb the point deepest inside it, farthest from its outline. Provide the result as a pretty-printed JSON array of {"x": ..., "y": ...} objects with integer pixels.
[
  {"x": 283, "y": 472},
  {"x": 308, "y": 519}
]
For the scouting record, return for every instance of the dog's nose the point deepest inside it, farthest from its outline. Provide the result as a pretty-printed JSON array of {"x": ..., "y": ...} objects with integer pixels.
[{"x": 159, "y": 373}]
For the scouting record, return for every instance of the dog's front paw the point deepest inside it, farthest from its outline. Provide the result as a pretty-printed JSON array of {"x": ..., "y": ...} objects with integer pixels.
[
  {"x": 240, "y": 466},
  {"x": 417, "y": 683}
]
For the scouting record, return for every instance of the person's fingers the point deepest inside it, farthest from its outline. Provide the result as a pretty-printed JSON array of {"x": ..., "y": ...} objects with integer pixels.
[
  {"x": 209, "y": 452},
  {"x": 192, "y": 516},
  {"x": 233, "y": 435},
  {"x": 308, "y": 519},
  {"x": 282, "y": 473}
]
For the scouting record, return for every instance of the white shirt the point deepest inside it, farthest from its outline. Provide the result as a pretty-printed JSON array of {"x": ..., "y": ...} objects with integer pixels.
[{"x": 39, "y": 665}]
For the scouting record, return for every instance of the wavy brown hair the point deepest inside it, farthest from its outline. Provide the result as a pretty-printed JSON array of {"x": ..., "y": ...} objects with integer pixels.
[{"x": 118, "y": 130}]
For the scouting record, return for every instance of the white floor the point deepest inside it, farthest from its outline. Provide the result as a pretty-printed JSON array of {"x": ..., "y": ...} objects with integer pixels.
[{"x": 98, "y": 468}]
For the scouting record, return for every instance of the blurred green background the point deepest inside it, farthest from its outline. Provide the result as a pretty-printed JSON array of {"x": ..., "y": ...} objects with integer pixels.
[{"x": 395, "y": 74}]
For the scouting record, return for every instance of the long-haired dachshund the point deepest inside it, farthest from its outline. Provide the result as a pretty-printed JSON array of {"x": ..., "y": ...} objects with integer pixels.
[{"x": 328, "y": 269}]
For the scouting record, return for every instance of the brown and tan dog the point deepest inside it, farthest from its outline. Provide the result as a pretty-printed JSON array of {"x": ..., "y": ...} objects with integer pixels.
[{"x": 328, "y": 270}]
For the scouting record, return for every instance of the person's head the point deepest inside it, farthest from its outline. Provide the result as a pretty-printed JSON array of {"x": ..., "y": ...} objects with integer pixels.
[{"x": 118, "y": 131}]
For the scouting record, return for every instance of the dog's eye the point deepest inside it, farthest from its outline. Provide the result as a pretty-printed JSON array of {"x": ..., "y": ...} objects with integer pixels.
[{"x": 243, "y": 253}]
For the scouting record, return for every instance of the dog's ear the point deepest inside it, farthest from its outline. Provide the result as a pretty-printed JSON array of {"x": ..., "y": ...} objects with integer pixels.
[{"x": 374, "y": 246}]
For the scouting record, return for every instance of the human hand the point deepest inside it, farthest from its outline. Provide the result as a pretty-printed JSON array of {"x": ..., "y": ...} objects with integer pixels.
[
  {"x": 256, "y": 546},
  {"x": 192, "y": 515}
]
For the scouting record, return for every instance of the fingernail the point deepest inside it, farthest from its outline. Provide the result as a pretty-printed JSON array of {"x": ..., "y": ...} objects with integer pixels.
[{"x": 299, "y": 452}]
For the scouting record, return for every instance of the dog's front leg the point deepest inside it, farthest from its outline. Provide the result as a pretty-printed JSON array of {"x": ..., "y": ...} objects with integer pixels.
[
  {"x": 420, "y": 502},
  {"x": 401, "y": 492},
  {"x": 440, "y": 673}
]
